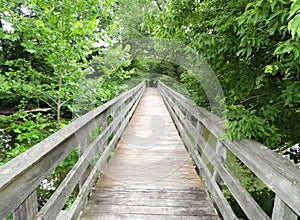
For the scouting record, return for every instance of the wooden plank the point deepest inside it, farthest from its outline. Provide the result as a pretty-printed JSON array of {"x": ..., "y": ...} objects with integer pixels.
[
  {"x": 217, "y": 194},
  {"x": 276, "y": 172},
  {"x": 242, "y": 196},
  {"x": 81, "y": 150},
  {"x": 279, "y": 182},
  {"x": 28, "y": 209},
  {"x": 281, "y": 211},
  {"x": 20, "y": 186},
  {"x": 106, "y": 216},
  {"x": 62, "y": 193},
  {"x": 82, "y": 197},
  {"x": 150, "y": 173},
  {"x": 221, "y": 151},
  {"x": 248, "y": 204},
  {"x": 20, "y": 177},
  {"x": 163, "y": 198},
  {"x": 146, "y": 209},
  {"x": 63, "y": 215}
]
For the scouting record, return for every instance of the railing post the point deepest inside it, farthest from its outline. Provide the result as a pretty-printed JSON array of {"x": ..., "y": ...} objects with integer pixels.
[
  {"x": 82, "y": 148},
  {"x": 28, "y": 209},
  {"x": 282, "y": 211},
  {"x": 199, "y": 127},
  {"x": 83, "y": 145},
  {"x": 104, "y": 126},
  {"x": 188, "y": 115},
  {"x": 105, "y": 122},
  {"x": 122, "y": 107},
  {"x": 220, "y": 152}
]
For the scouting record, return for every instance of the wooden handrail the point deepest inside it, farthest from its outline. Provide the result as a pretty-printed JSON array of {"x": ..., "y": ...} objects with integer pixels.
[
  {"x": 278, "y": 173},
  {"x": 20, "y": 177}
]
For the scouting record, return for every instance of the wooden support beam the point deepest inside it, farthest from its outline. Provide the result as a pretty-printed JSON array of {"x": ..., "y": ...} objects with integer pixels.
[
  {"x": 28, "y": 209},
  {"x": 282, "y": 211}
]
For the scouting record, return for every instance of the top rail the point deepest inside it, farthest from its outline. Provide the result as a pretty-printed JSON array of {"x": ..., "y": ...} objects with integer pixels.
[
  {"x": 20, "y": 177},
  {"x": 278, "y": 173}
]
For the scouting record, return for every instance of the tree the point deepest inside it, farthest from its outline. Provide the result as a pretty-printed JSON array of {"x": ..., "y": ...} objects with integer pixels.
[
  {"x": 253, "y": 47},
  {"x": 59, "y": 34},
  {"x": 49, "y": 55},
  {"x": 129, "y": 17}
]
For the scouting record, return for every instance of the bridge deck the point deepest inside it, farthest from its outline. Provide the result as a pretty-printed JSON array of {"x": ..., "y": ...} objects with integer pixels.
[{"x": 150, "y": 175}]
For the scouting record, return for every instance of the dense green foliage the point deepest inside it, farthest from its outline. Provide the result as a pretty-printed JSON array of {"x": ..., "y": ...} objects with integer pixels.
[
  {"x": 44, "y": 56},
  {"x": 59, "y": 59},
  {"x": 48, "y": 54},
  {"x": 253, "y": 47},
  {"x": 25, "y": 130},
  {"x": 55, "y": 64}
]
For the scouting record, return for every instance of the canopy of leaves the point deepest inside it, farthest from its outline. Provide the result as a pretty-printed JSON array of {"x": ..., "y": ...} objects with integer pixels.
[
  {"x": 49, "y": 51},
  {"x": 254, "y": 48}
]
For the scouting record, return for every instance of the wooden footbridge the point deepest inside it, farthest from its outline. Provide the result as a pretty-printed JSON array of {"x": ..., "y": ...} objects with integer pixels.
[{"x": 141, "y": 165}]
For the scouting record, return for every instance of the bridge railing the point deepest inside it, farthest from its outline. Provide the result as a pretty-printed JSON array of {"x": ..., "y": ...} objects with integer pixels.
[
  {"x": 20, "y": 178},
  {"x": 203, "y": 132}
]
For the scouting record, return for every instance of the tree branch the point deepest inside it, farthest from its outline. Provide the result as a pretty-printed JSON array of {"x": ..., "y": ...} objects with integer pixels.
[
  {"x": 48, "y": 103},
  {"x": 64, "y": 102},
  {"x": 47, "y": 97},
  {"x": 252, "y": 97},
  {"x": 9, "y": 112},
  {"x": 158, "y": 5}
]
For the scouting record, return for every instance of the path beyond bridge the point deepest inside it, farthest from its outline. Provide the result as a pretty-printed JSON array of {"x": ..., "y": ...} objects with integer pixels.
[{"x": 150, "y": 175}]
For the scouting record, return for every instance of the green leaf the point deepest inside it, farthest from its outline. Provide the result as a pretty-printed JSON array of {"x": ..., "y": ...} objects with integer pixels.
[
  {"x": 294, "y": 26},
  {"x": 31, "y": 50},
  {"x": 78, "y": 24},
  {"x": 283, "y": 48},
  {"x": 296, "y": 52},
  {"x": 294, "y": 8},
  {"x": 39, "y": 23}
]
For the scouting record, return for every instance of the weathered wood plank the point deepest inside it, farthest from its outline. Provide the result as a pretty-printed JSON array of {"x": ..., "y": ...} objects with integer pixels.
[
  {"x": 150, "y": 173},
  {"x": 279, "y": 174},
  {"x": 217, "y": 194},
  {"x": 145, "y": 209},
  {"x": 22, "y": 185},
  {"x": 249, "y": 205},
  {"x": 221, "y": 151},
  {"x": 21, "y": 176},
  {"x": 286, "y": 186},
  {"x": 281, "y": 211},
  {"x": 106, "y": 216},
  {"x": 82, "y": 197},
  {"x": 28, "y": 209}
]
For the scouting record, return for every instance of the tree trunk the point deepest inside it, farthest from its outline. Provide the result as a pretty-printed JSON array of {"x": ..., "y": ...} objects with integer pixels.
[{"x": 59, "y": 100}]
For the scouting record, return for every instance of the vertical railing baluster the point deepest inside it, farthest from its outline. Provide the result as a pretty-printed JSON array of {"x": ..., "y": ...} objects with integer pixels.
[
  {"x": 82, "y": 148},
  {"x": 199, "y": 129},
  {"x": 221, "y": 152},
  {"x": 282, "y": 211},
  {"x": 104, "y": 126},
  {"x": 188, "y": 115},
  {"x": 28, "y": 209}
]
